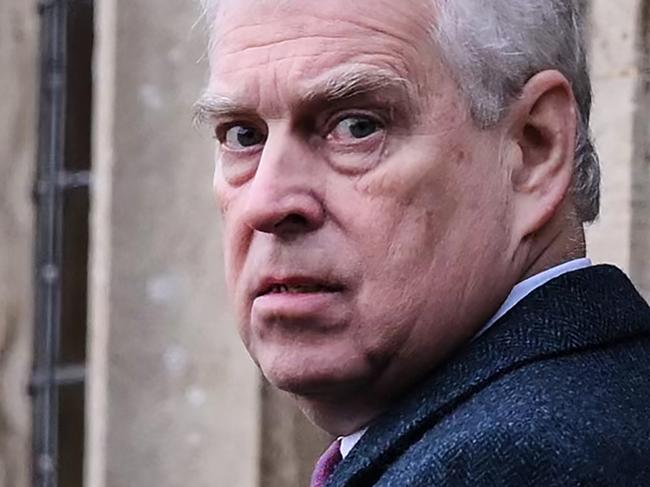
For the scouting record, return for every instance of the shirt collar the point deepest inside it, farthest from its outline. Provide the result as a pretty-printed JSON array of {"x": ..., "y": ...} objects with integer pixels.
[
  {"x": 519, "y": 292},
  {"x": 525, "y": 287},
  {"x": 348, "y": 442}
]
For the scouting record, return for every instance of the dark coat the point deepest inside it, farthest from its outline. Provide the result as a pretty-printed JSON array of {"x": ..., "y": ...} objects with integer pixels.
[{"x": 557, "y": 393}]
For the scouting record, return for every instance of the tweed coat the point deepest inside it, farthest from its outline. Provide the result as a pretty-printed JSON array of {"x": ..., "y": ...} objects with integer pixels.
[{"x": 556, "y": 393}]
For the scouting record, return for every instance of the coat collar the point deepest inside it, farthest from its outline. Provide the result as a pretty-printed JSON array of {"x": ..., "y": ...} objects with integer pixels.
[{"x": 581, "y": 310}]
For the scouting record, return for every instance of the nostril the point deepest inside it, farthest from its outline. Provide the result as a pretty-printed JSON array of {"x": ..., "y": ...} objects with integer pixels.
[
  {"x": 293, "y": 222},
  {"x": 296, "y": 219}
]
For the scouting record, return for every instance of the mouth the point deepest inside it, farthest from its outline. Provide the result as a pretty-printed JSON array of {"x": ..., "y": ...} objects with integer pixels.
[
  {"x": 297, "y": 285},
  {"x": 308, "y": 304}
]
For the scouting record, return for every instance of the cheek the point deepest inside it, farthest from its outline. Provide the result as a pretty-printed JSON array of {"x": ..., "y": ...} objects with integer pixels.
[
  {"x": 398, "y": 254},
  {"x": 234, "y": 234},
  {"x": 414, "y": 243},
  {"x": 224, "y": 193},
  {"x": 408, "y": 214},
  {"x": 236, "y": 244}
]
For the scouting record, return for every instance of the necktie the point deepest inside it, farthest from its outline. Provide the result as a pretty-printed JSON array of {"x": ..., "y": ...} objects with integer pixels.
[{"x": 326, "y": 464}]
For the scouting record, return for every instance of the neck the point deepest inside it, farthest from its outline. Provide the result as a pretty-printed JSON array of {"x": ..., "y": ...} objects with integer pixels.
[
  {"x": 341, "y": 417},
  {"x": 562, "y": 240}
]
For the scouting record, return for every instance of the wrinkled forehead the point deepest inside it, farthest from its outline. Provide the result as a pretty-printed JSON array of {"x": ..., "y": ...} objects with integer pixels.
[
  {"x": 298, "y": 27},
  {"x": 264, "y": 52}
]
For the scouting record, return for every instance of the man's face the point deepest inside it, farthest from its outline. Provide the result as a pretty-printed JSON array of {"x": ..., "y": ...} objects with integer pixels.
[{"x": 365, "y": 216}]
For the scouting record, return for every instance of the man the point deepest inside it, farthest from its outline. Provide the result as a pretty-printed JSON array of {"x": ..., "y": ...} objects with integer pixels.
[{"x": 404, "y": 187}]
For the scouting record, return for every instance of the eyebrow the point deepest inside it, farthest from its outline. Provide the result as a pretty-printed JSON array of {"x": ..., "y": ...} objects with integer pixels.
[
  {"x": 348, "y": 81},
  {"x": 340, "y": 83},
  {"x": 211, "y": 105}
]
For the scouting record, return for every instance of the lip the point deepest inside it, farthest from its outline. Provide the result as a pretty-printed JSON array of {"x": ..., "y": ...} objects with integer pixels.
[
  {"x": 263, "y": 289},
  {"x": 296, "y": 305}
]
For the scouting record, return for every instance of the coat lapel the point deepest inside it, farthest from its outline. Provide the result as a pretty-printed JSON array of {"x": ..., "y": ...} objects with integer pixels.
[{"x": 581, "y": 310}]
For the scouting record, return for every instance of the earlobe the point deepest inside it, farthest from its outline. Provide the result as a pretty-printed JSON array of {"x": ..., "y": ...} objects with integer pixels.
[{"x": 543, "y": 125}]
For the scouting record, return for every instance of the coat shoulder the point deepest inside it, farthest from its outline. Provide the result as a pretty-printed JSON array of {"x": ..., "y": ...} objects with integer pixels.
[{"x": 579, "y": 419}]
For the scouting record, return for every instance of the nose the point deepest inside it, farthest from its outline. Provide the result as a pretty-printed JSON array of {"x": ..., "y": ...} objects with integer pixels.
[{"x": 285, "y": 195}]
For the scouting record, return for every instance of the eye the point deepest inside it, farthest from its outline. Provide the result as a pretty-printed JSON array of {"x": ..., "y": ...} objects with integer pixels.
[
  {"x": 242, "y": 137},
  {"x": 356, "y": 128}
]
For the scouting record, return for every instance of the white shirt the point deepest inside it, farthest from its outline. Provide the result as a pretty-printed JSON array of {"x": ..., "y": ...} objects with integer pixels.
[{"x": 519, "y": 292}]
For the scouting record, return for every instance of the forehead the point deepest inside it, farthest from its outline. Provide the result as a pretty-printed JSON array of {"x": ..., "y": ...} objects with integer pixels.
[{"x": 258, "y": 43}]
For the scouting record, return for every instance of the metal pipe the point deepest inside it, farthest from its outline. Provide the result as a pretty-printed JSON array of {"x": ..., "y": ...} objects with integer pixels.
[{"x": 49, "y": 239}]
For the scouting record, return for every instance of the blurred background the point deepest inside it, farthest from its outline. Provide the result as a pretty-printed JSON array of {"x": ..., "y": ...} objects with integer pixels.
[{"x": 119, "y": 361}]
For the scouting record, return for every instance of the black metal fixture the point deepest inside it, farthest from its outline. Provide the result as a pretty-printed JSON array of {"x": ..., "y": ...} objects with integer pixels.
[{"x": 56, "y": 177}]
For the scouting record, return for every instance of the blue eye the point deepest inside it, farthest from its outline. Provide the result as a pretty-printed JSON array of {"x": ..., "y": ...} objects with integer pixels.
[
  {"x": 240, "y": 137},
  {"x": 356, "y": 127}
]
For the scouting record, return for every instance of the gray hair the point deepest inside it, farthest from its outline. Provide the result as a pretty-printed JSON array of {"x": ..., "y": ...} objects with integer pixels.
[{"x": 492, "y": 48}]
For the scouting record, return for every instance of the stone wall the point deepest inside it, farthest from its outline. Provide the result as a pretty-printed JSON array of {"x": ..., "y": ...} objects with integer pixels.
[
  {"x": 18, "y": 86},
  {"x": 619, "y": 62},
  {"x": 173, "y": 398},
  {"x": 640, "y": 232}
]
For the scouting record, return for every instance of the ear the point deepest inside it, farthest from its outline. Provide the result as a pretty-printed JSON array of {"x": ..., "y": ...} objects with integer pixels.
[{"x": 542, "y": 126}]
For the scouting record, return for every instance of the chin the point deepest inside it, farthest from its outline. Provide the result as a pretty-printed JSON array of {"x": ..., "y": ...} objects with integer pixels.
[{"x": 308, "y": 376}]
